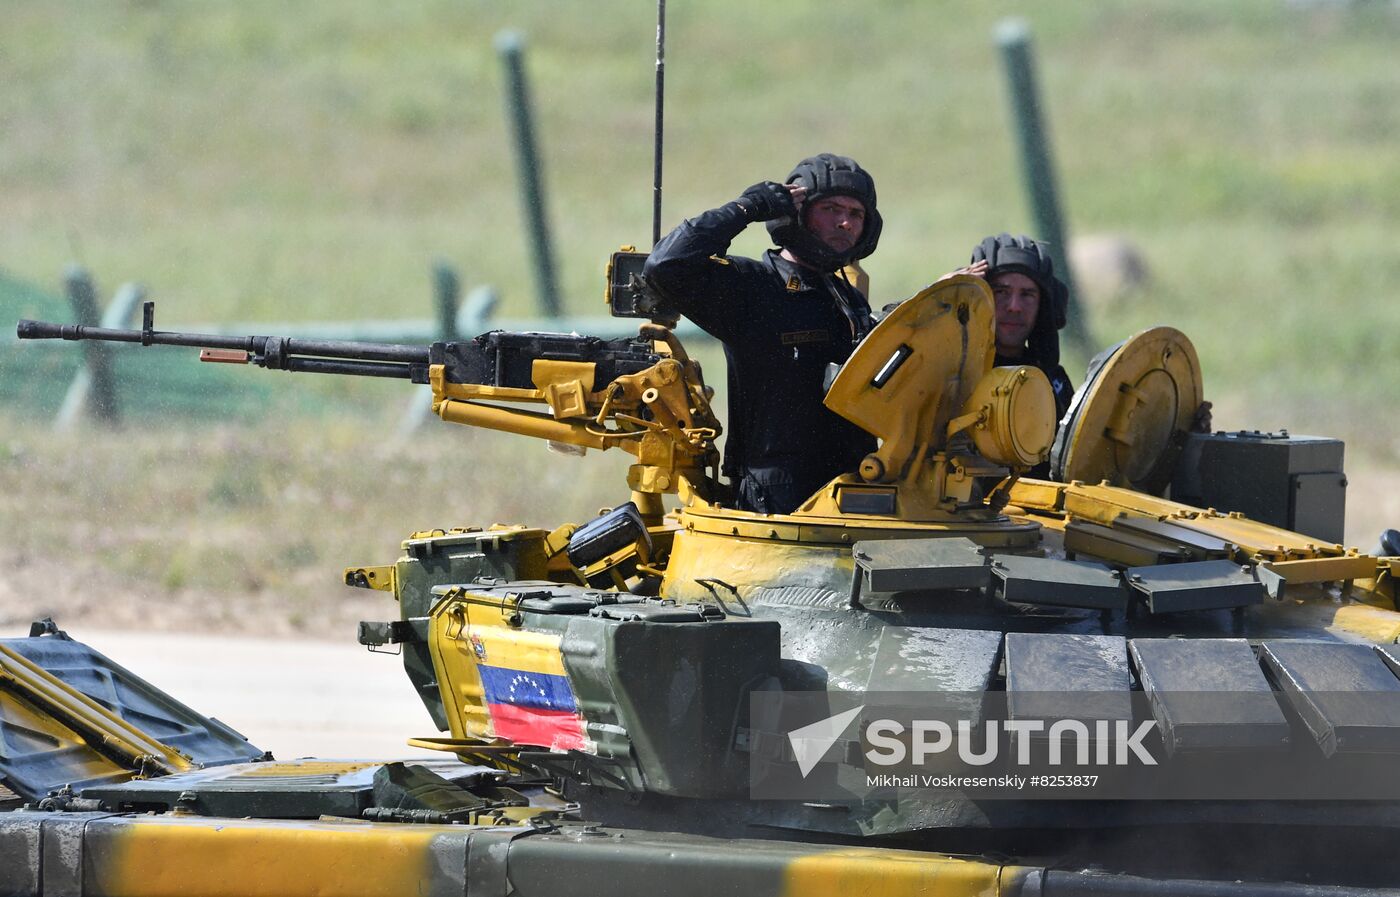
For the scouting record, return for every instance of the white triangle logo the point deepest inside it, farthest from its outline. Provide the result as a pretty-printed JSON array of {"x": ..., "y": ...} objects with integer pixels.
[{"x": 810, "y": 743}]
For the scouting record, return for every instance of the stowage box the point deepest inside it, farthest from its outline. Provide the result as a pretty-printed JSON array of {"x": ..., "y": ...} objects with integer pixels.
[{"x": 1295, "y": 482}]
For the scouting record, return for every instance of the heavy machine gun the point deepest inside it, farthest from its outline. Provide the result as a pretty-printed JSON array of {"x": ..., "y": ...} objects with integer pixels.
[{"x": 642, "y": 394}]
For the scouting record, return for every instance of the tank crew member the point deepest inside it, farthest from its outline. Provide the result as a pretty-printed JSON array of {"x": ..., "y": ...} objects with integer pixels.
[
  {"x": 782, "y": 319},
  {"x": 1030, "y": 307}
]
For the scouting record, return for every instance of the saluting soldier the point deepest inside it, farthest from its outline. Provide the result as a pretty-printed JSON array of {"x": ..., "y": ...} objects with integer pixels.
[{"x": 782, "y": 319}]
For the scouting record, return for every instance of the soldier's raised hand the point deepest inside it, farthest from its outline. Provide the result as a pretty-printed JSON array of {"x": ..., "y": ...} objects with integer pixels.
[{"x": 768, "y": 200}]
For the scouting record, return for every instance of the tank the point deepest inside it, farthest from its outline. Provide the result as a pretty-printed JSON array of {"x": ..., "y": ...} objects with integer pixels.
[{"x": 937, "y": 676}]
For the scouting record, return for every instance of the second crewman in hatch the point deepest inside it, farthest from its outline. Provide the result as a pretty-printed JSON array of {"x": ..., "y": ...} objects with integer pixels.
[
  {"x": 782, "y": 319},
  {"x": 1031, "y": 306}
]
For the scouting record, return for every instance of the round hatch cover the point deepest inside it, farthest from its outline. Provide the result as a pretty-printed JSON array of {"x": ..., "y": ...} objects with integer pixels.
[{"x": 1127, "y": 423}]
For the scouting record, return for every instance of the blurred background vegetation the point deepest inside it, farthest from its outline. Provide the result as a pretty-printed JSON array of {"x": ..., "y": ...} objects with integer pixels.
[{"x": 307, "y": 162}]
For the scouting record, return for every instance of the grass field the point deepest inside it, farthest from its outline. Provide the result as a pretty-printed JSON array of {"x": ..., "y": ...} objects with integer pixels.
[
  {"x": 261, "y": 161},
  {"x": 245, "y": 527}
]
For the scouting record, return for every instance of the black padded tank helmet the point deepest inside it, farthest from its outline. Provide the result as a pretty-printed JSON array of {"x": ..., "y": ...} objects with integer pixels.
[
  {"x": 829, "y": 175},
  {"x": 1023, "y": 255}
]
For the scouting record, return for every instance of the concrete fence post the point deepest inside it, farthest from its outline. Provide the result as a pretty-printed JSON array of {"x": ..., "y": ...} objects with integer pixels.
[
  {"x": 93, "y": 391},
  {"x": 1013, "y": 36},
  {"x": 469, "y": 320},
  {"x": 447, "y": 287},
  {"x": 511, "y": 47}
]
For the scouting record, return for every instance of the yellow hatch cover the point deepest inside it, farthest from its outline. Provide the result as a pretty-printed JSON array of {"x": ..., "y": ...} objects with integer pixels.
[
  {"x": 915, "y": 370},
  {"x": 1128, "y": 421}
]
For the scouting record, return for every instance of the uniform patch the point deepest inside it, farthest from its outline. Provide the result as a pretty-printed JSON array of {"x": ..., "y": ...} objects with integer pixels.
[
  {"x": 801, "y": 337},
  {"x": 794, "y": 284}
]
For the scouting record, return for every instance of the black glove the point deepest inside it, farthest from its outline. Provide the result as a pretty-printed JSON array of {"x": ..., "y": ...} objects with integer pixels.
[{"x": 766, "y": 201}]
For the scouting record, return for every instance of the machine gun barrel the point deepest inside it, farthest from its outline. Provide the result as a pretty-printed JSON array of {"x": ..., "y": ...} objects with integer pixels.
[
  {"x": 272, "y": 352},
  {"x": 641, "y": 394}
]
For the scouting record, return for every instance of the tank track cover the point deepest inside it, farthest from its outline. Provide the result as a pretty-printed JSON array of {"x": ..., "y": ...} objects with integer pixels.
[{"x": 936, "y": 676}]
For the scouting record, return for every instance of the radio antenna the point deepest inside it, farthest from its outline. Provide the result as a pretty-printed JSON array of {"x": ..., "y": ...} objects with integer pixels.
[{"x": 660, "y": 105}]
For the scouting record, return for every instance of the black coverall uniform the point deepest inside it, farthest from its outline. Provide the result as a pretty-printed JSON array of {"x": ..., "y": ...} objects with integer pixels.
[{"x": 781, "y": 325}]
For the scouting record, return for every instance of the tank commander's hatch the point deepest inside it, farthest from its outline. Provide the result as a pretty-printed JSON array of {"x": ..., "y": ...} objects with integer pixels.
[
  {"x": 1128, "y": 421},
  {"x": 914, "y": 372}
]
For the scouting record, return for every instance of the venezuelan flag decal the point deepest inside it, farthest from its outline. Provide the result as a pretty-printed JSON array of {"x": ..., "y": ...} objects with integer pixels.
[{"x": 532, "y": 708}]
